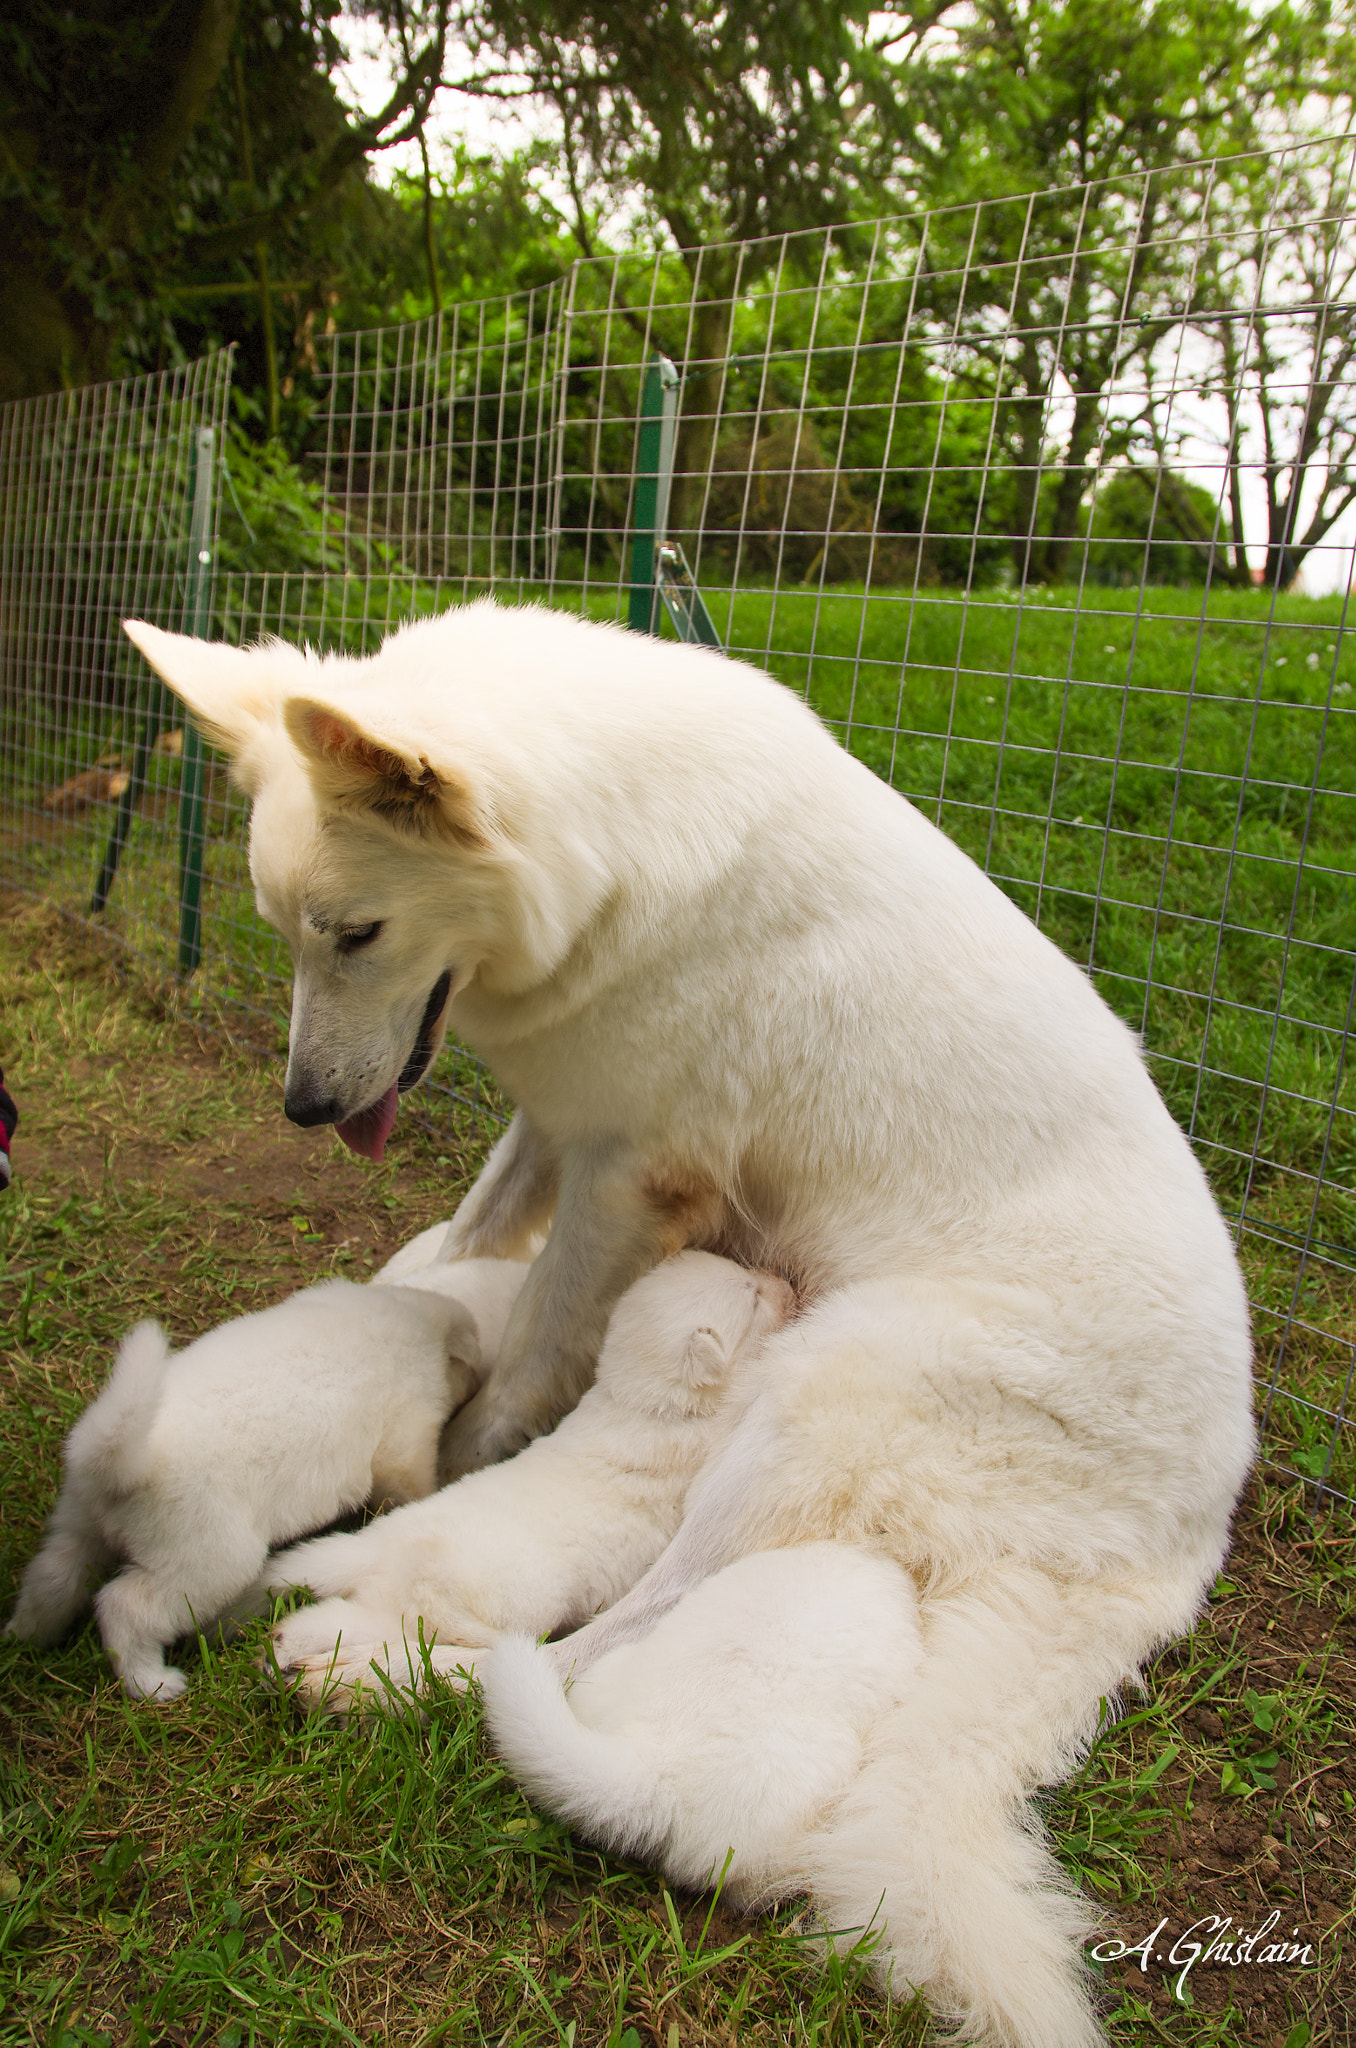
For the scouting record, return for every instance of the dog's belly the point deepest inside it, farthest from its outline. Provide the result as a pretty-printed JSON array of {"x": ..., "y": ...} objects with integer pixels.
[
  {"x": 690, "y": 1208},
  {"x": 745, "y": 1240}
]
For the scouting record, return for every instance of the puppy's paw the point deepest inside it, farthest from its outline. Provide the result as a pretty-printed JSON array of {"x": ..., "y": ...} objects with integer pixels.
[
  {"x": 455, "y": 1665},
  {"x": 314, "y": 1633},
  {"x": 353, "y": 1679},
  {"x": 339, "y": 1658},
  {"x": 155, "y": 1684}
]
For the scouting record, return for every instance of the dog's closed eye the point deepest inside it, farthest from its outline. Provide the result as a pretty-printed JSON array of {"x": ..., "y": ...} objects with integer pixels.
[{"x": 357, "y": 936}]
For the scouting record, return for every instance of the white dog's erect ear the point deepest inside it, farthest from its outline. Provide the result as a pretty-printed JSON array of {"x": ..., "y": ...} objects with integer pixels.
[
  {"x": 231, "y": 691},
  {"x": 349, "y": 765}
]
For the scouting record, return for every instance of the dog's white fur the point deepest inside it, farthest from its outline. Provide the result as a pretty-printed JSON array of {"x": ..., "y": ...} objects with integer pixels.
[
  {"x": 486, "y": 1288},
  {"x": 745, "y": 996},
  {"x": 191, "y": 1466},
  {"x": 541, "y": 1542},
  {"x": 719, "y": 1743}
]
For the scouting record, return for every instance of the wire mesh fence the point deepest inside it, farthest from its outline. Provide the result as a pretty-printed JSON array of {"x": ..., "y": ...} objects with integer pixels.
[{"x": 1045, "y": 504}]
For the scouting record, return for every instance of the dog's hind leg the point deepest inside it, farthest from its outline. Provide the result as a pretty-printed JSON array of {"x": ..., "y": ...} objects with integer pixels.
[
  {"x": 146, "y": 1607},
  {"x": 58, "y": 1582},
  {"x": 932, "y": 1846},
  {"x": 138, "y": 1616},
  {"x": 513, "y": 1196}
]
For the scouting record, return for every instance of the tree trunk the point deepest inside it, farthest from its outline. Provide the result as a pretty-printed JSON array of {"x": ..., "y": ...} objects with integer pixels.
[
  {"x": 41, "y": 348},
  {"x": 1073, "y": 483},
  {"x": 1031, "y": 409}
]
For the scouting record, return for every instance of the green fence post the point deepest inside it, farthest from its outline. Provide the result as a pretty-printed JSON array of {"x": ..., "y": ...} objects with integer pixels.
[
  {"x": 659, "y": 570},
  {"x": 196, "y": 613},
  {"x": 158, "y": 712},
  {"x": 657, "y": 407}
]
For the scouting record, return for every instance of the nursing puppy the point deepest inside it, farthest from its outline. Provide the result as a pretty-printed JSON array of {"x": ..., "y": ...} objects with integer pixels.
[
  {"x": 486, "y": 1288},
  {"x": 566, "y": 1527},
  {"x": 746, "y": 997},
  {"x": 191, "y": 1466},
  {"x": 717, "y": 1744}
]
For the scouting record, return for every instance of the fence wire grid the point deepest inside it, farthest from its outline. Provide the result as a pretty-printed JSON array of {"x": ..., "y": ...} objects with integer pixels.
[{"x": 1045, "y": 504}]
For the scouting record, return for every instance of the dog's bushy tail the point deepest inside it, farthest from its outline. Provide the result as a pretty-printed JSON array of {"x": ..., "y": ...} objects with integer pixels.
[
  {"x": 934, "y": 1848},
  {"x": 603, "y": 1785},
  {"x": 105, "y": 1457}
]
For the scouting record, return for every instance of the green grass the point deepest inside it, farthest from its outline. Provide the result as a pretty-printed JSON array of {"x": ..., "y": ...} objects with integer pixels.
[{"x": 225, "y": 1872}]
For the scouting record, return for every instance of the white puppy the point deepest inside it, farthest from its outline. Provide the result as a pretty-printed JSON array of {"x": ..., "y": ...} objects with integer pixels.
[
  {"x": 191, "y": 1466},
  {"x": 564, "y": 1528},
  {"x": 486, "y": 1288},
  {"x": 717, "y": 1743}
]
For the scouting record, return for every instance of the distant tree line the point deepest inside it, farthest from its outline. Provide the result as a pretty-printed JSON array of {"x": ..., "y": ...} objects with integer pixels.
[{"x": 185, "y": 172}]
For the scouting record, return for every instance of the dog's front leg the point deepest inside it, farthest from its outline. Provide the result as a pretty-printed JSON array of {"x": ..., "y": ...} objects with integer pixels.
[
  {"x": 513, "y": 1196},
  {"x": 610, "y": 1227}
]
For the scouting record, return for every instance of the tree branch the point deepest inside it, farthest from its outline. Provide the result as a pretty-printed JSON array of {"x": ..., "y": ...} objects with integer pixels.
[{"x": 413, "y": 96}]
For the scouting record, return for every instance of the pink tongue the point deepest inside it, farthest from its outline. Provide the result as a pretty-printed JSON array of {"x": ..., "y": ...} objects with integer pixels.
[{"x": 368, "y": 1131}]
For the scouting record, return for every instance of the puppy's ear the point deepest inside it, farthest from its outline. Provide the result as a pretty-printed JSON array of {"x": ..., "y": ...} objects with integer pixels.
[
  {"x": 462, "y": 1342},
  {"x": 351, "y": 765},
  {"x": 463, "y": 1384},
  {"x": 705, "y": 1361},
  {"x": 232, "y": 692}
]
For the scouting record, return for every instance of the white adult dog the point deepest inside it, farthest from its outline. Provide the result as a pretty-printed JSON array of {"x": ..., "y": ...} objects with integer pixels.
[
  {"x": 745, "y": 996},
  {"x": 543, "y": 1541},
  {"x": 190, "y": 1466}
]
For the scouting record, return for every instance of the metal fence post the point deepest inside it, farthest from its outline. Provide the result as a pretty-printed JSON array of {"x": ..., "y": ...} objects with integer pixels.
[
  {"x": 658, "y": 409},
  {"x": 196, "y": 612},
  {"x": 659, "y": 570},
  {"x": 158, "y": 711}
]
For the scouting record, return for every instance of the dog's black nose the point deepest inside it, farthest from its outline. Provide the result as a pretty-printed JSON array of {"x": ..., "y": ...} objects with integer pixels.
[{"x": 306, "y": 1111}]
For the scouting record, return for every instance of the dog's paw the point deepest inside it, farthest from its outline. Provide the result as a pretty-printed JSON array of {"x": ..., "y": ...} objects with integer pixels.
[
  {"x": 454, "y": 1664},
  {"x": 314, "y": 1633},
  {"x": 476, "y": 1437},
  {"x": 338, "y": 1658},
  {"x": 154, "y": 1684}
]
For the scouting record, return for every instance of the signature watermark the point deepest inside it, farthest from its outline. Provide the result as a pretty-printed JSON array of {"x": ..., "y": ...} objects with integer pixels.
[{"x": 1212, "y": 1939}]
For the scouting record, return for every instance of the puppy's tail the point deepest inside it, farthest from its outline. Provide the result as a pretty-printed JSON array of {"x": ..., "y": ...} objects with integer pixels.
[
  {"x": 105, "y": 1457},
  {"x": 934, "y": 1849},
  {"x": 111, "y": 1441},
  {"x": 603, "y": 1785}
]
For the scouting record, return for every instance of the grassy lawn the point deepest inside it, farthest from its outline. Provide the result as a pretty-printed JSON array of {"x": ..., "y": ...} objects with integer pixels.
[{"x": 222, "y": 1871}]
